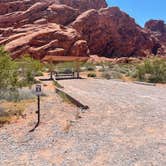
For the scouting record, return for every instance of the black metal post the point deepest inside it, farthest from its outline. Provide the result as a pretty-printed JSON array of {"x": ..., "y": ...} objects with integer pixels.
[
  {"x": 78, "y": 69},
  {"x": 38, "y": 114}
]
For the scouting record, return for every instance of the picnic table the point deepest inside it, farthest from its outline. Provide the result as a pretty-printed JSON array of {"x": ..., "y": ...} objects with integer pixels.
[{"x": 64, "y": 75}]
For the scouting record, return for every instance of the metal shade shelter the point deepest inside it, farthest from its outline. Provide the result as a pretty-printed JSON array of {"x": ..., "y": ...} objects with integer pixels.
[{"x": 60, "y": 59}]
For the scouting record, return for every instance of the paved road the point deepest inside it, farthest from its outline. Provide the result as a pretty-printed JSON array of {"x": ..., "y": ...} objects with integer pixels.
[{"x": 126, "y": 123}]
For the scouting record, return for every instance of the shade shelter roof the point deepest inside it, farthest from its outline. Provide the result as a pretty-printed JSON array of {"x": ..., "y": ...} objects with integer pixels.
[{"x": 56, "y": 59}]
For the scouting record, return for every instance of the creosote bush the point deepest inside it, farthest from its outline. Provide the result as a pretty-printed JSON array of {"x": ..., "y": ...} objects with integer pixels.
[
  {"x": 15, "y": 74},
  {"x": 91, "y": 75},
  {"x": 28, "y": 69},
  {"x": 106, "y": 75},
  {"x": 152, "y": 70}
]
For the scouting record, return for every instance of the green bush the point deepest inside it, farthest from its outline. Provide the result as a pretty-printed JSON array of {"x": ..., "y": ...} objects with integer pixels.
[
  {"x": 89, "y": 66},
  {"x": 28, "y": 69},
  {"x": 9, "y": 76},
  {"x": 15, "y": 74},
  {"x": 91, "y": 75},
  {"x": 17, "y": 95},
  {"x": 38, "y": 74},
  {"x": 152, "y": 70},
  {"x": 102, "y": 70}
]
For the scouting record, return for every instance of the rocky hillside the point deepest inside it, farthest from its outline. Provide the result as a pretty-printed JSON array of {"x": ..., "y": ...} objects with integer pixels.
[
  {"x": 72, "y": 28},
  {"x": 157, "y": 29}
]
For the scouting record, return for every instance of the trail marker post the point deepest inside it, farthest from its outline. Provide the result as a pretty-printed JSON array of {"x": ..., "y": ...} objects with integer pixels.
[{"x": 38, "y": 92}]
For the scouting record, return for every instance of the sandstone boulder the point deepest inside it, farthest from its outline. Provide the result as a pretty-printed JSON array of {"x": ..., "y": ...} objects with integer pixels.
[
  {"x": 157, "y": 29},
  {"x": 112, "y": 33},
  {"x": 76, "y": 28},
  {"x": 80, "y": 48},
  {"x": 84, "y": 5},
  {"x": 45, "y": 39}
]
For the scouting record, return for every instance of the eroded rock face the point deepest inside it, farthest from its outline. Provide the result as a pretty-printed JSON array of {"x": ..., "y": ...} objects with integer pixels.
[
  {"x": 84, "y": 5},
  {"x": 41, "y": 40},
  {"x": 111, "y": 32},
  {"x": 156, "y": 26},
  {"x": 73, "y": 28},
  {"x": 157, "y": 29}
]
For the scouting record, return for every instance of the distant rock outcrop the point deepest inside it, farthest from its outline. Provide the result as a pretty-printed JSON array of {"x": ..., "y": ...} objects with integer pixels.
[
  {"x": 112, "y": 33},
  {"x": 157, "y": 29},
  {"x": 75, "y": 28}
]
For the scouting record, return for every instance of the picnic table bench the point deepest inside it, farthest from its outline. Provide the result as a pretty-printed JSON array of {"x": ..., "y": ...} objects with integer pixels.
[{"x": 63, "y": 75}]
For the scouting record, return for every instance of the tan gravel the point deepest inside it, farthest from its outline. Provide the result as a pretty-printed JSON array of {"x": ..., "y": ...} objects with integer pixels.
[{"x": 125, "y": 126}]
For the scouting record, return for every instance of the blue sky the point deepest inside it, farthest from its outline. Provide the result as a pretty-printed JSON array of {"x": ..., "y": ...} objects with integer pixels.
[{"x": 142, "y": 10}]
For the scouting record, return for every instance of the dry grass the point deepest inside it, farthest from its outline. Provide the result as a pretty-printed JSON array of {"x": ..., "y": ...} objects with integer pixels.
[{"x": 10, "y": 111}]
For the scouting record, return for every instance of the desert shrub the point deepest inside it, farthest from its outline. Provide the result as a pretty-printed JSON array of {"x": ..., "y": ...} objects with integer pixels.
[
  {"x": 68, "y": 71},
  {"x": 9, "y": 110},
  {"x": 4, "y": 120},
  {"x": 50, "y": 67},
  {"x": 90, "y": 66},
  {"x": 15, "y": 74},
  {"x": 91, "y": 75},
  {"x": 4, "y": 117},
  {"x": 118, "y": 71},
  {"x": 66, "y": 65},
  {"x": 38, "y": 74},
  {"x": 102, "y": 70},
  {"x": 28, "y": 69},
  {"x": 9, "y": 76},
  {"x": 116, "y": 75},
  {"x": 106, "y": 75},
  {"x": 17, "y": 95},
  {"x": 152, "y": 70}
]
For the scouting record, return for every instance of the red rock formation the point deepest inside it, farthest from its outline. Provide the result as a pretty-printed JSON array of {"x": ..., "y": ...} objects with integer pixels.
[
  {"x": 157, "y": 29},
  {"x": 84, "y": 5},
  {"x": 41, "y": 40},
  {"x": 111, "y": 32},
  {"x": 71, "y": 28}
]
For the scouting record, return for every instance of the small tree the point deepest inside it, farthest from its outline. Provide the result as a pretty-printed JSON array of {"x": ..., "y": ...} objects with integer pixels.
[
  {"x": 51, "y": 68},
  {"x": 8, "y": 71},
  {"x": 152, "y": 70},
  {"x": 9, "y": 81},
  {"x": 28, "y": 69}
]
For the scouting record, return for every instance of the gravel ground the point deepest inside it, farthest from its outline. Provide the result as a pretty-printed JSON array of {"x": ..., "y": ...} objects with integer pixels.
[
  {"x": 126, "y": 123},
  {"x": 125, "y": 126}
]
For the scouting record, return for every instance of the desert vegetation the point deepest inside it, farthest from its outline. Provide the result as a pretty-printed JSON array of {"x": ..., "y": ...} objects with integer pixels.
[
  {"x": 16, "y": 78},
  {"x": 152, "y": 70},
  {"x": 16, "y": 74}
]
